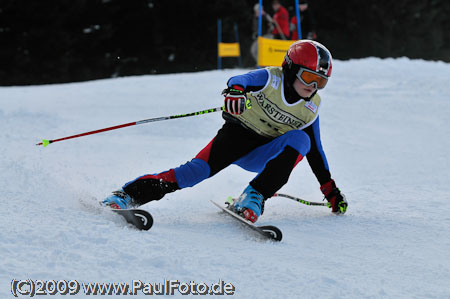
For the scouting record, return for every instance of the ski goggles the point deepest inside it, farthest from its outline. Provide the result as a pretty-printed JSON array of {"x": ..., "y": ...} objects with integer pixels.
[{"x": 309, "y": 78}]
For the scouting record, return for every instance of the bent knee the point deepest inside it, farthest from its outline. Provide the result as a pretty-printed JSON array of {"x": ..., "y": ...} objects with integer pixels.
[{"x": 298, "y": 140}]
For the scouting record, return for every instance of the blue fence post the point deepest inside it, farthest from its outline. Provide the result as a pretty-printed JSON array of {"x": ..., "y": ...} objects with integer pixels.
[
  {"x": 236, "y": 33},
  {"x": 260, "y": 18},
  {"x": 299, "y": 28},
  {"x": 219, "y": 40},
  {"x": 259, "y": 30}
]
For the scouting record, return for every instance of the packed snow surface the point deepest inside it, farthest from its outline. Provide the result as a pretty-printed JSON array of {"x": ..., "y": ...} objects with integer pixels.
[{"x": 385, "y": 130}]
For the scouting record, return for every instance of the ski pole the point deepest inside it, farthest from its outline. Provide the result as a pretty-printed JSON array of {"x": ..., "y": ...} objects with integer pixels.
[
  {"x": 305, "y": 202},
  {"x": 46, "y": 142}
]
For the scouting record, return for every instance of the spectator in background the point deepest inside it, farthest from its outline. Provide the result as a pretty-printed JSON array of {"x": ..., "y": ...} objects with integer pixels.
[
  {"x": 266, "y": 29},
  {"x": 307, "y": 23},
  {"x": 280, "y": 21},
  {"x": 266, "y": 26}
]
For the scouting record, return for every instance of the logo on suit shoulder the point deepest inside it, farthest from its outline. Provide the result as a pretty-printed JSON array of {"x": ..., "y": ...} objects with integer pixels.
[
  {"x": 311, "y": 106},
  {"x": 276, "y": 82}
]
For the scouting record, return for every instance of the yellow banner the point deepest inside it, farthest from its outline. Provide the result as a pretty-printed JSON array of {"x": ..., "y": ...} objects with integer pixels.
[
  {"x": 229, "y": 50},
  {"x": 271, "y": 52}
]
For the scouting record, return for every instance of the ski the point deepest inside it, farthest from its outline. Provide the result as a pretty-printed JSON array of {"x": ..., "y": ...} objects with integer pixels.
[
  {"x": 141, "y": 219},
  {"x": 268, "y": 231}
]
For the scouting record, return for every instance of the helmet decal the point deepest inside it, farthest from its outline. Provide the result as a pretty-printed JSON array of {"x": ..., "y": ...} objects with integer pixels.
[
  {"x": 288, "y": 59},
  {"x": 323, "y": 60}
]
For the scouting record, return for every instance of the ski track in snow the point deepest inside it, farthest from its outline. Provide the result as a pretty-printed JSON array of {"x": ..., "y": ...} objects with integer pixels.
[{"x": 384, "y": 127}]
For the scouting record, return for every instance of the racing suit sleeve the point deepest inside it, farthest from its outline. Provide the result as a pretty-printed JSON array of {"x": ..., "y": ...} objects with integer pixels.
[
  {"x": 252, "y": 81},
  {"x": 316, "y": 156}
]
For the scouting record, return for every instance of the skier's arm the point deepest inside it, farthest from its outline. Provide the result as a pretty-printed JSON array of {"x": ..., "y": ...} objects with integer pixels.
[
  {"x": 235, "y": 103},
  {"x": 319, "y": 165},
  {"x": 252, "y": 81},
  {"x": 316, "y": 156}
]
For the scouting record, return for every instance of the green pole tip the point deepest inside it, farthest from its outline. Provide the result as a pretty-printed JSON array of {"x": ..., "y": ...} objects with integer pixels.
[
  {"x": 230, "y": 200},
  {"x": 45, "y": 142}
]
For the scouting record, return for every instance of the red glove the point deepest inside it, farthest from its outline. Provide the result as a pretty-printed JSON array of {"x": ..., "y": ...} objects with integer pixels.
[
  {"x": 235, "y": 100},
  {"x": 336, "y": 200}
]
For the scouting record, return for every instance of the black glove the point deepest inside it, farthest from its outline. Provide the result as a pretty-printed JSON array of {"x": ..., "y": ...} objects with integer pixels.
[
  {"x": 235, "y": 100},
  {"x": 336, "y": 200}
]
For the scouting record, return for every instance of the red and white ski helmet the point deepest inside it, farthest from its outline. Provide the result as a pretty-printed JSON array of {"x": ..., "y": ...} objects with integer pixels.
[{"x": 307, "y": 54}]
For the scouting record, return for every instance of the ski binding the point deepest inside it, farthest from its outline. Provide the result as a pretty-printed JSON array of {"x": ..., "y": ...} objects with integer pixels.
[{"x": 268, "y": 231}]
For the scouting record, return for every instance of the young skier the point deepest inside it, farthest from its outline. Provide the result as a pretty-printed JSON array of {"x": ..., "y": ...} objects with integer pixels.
[{"x": 271, "y": 124}]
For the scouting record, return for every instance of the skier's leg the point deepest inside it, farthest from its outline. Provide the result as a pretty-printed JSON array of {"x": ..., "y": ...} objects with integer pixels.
[
  {"x": 151, "y": 186},
  {"x": 276, "y": 172},
  {"x": 231, "y": 142},
  {"x": 274, "y": 162}
]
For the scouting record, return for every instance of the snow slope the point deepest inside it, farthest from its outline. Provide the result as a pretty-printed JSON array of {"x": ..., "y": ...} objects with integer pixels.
[{"x": 385, "y": 130}]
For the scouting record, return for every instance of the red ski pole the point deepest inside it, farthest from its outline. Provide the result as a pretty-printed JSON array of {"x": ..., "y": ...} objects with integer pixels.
[{"x": 46, "y": 142}]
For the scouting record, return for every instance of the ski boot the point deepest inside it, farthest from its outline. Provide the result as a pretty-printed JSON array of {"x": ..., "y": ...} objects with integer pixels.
[
  {"x": 250, "y": 204},
  {"x": 119, "y": 200}
]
